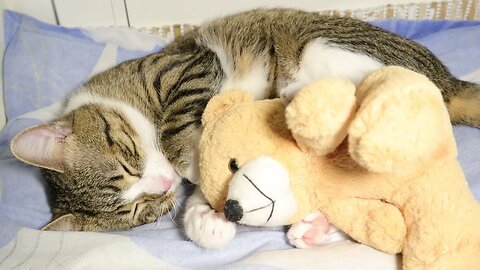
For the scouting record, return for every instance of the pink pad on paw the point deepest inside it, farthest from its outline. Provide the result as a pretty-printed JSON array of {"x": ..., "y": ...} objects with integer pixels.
[
  {"x": 310, "y": 232},
  {"x": 321, "y": 220},
  {"x": 314, "y": 235}
]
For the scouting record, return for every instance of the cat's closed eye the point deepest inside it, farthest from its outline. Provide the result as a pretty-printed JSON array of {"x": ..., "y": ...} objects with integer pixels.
[
  {"x": 116, "y": 178},
  {"x": 129, "y": 170}
]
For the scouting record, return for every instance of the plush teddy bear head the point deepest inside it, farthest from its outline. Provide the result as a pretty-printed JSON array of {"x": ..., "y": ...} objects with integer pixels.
[{"x": 259, "y": 158}]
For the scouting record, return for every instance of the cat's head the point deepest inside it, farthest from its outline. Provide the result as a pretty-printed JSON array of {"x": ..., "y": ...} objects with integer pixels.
[{"x": 104, "y": 168}]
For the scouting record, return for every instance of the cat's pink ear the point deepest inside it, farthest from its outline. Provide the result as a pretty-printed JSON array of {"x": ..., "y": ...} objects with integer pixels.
[
  {"x": 42, "y": 145},
  {"x": 67, "y": 222}
]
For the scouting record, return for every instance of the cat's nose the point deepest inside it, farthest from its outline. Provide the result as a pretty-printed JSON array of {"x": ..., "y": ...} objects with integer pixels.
[
  {"x": 233, "y": 210},
  {"x": 165, "y": 182}
]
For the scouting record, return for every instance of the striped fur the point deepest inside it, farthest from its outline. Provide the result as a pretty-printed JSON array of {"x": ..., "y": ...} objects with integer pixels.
[{"x": 263, "y": 51}]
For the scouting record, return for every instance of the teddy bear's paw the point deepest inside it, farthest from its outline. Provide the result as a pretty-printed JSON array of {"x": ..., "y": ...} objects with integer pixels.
[
  {"x": 398, "y": 130},
  {"x": 320, "y": 114},
  {"x": 208, "y": 228},
  {"x": 310, "y": 232}
]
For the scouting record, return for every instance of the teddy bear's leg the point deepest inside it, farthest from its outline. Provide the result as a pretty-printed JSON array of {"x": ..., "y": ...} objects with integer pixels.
[
  {"x": 313, "y": 230},
  {"x": 204, "y": 226},
  {"x": 320, "y": 114},
  {"x": 443, "y": 237},
  {"x": 371, "y": 222},
  {"x": 461, "y": 258},
  {"x": 402, "y": 123}
]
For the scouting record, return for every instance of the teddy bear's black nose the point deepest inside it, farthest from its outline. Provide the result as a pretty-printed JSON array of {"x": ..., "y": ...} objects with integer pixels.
[{"x": 233, "y": 211}]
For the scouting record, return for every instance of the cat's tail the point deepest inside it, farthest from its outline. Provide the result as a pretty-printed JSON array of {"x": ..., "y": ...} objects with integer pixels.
[{"x": 464, "y": 105}]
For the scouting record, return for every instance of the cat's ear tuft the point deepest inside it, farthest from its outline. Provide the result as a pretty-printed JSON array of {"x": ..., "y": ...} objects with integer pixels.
[
  {"x": 67, "y": 222},
  {"x": 42, "y": 145},
  {"x": 221, "y": 103}
]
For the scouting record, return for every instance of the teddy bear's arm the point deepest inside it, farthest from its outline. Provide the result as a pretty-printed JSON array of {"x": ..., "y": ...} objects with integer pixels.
[
  {"x": 400, "y": 128},
  {"x": 371, "y": 222},
  {"x": 320, "y": 114}
]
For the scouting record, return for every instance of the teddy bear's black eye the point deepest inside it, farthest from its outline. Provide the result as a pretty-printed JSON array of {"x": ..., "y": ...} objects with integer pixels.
[{"x": 233, "y": 165}]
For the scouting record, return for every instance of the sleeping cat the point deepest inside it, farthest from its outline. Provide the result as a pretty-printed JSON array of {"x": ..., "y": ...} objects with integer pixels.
[{"x": 115, "y": 156}]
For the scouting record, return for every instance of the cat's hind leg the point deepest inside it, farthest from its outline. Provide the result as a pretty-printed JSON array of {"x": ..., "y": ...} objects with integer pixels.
[{"x": 323, "y": 59}]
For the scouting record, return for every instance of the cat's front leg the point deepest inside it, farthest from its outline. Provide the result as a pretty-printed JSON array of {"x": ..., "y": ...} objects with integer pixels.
[{"x": 204, "y": 226}]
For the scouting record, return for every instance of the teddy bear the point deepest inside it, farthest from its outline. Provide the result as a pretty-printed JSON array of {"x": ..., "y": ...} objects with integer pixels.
[{"x": 379, "y": 160}]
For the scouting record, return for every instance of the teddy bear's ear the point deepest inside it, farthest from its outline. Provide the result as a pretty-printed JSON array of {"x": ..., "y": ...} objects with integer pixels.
[{"x": 222, "y": 102}]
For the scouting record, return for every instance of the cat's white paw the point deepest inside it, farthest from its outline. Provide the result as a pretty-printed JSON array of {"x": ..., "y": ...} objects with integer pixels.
[
  {"x": 208, "y": 228},
  {"x": 310, "y": 232}
]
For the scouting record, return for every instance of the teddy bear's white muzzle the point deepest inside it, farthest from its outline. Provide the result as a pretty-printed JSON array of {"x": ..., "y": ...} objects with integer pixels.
[{"x": 260, "y": 195}]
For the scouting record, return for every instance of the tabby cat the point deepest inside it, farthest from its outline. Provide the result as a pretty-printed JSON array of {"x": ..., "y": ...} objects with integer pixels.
[{"x": 115, "y": 156}]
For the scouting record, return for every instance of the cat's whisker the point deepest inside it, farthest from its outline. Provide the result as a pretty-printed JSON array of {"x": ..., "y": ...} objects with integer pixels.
[
  {"x": 159, "y": 218},
  {"x": 174, "y": 209},
  {"x": 178, "y": 204},
  {"x": 164, "y": 209},
  {"x": 172, "y": 218}
]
